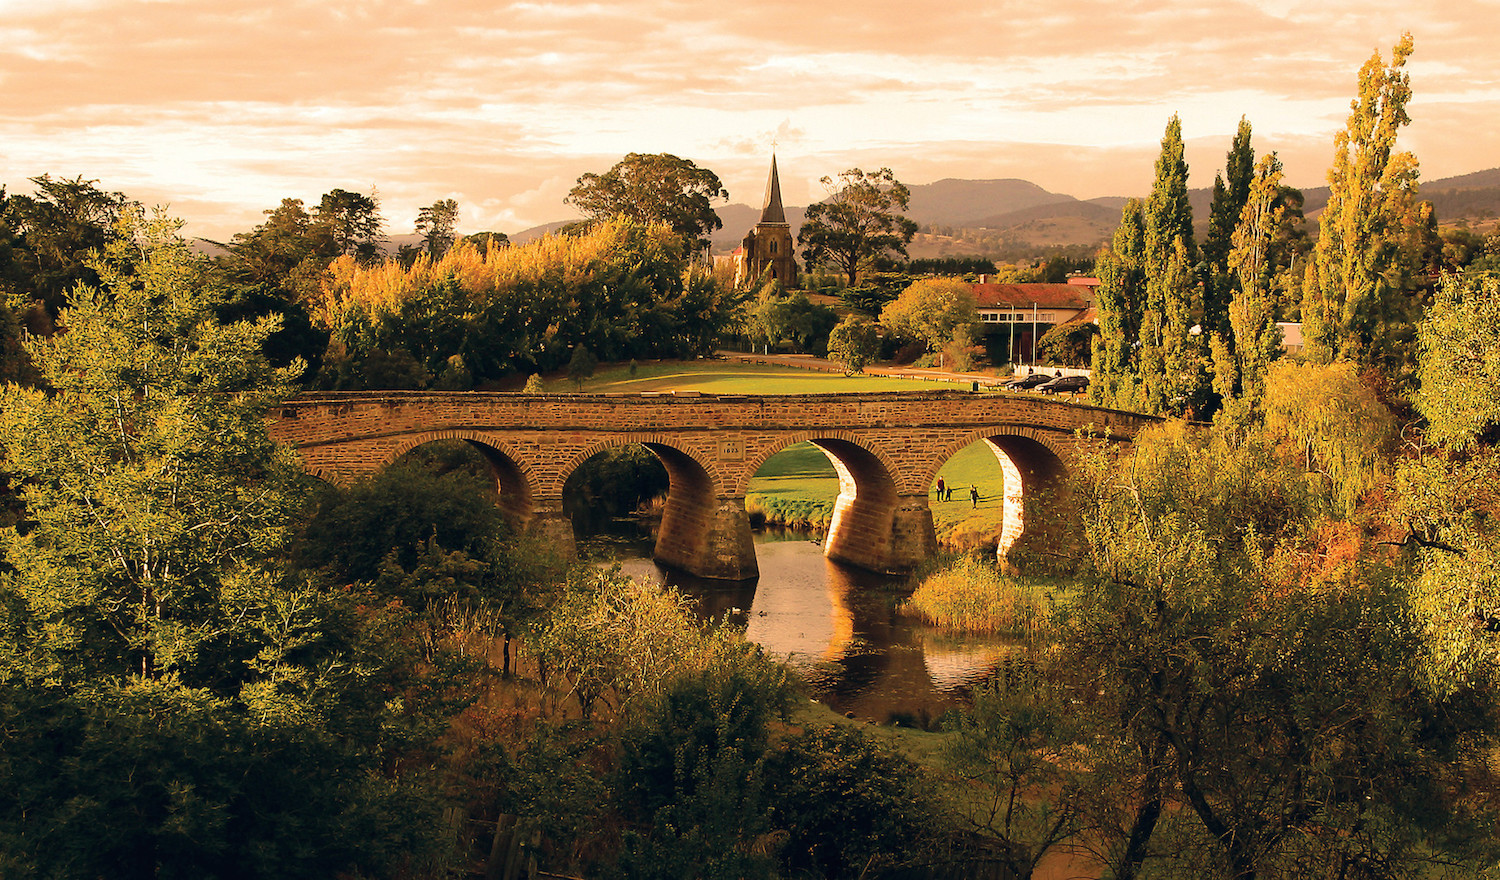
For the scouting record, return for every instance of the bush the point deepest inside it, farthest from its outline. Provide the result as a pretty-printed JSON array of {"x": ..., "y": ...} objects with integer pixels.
[
  {"x": 973, "y": 596},
  {"x": 845, "y": 801}
]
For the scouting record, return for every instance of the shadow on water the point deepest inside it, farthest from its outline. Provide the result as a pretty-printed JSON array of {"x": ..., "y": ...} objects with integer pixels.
[{"x": 835, "y": 625}]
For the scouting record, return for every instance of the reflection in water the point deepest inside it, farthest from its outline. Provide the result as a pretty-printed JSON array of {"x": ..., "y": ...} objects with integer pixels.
[{"x": 837, "y": 627}]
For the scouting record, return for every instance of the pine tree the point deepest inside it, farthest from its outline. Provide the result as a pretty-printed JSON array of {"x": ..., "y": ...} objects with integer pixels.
[{"x": 1354, "y": 303}]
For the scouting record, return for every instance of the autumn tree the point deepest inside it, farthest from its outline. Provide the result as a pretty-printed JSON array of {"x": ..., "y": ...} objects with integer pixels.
[
  {"x": 943, "y": 313},
  {"x": 1355, "y": 304},
  {"x": 862, "y": 218},
  {"x": 654, "y": 188}
]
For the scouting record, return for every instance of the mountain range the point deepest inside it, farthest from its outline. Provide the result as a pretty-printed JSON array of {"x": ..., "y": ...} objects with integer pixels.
[{"x": 1008, "y": 217}]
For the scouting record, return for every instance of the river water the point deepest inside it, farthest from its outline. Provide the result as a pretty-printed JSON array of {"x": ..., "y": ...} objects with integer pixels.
[{"x": 837, "y": 628}]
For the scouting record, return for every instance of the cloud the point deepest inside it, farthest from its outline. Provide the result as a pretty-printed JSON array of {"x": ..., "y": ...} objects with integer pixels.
[{"x": 227, "y": 107}]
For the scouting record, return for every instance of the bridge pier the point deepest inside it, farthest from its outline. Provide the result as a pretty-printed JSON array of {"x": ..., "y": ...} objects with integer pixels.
[
  {"x": 884, "y": 534},
  {"x": 913, "y": 535},
  {"x": 552, "y": 527},
  {"x": 710, "y": 540}
]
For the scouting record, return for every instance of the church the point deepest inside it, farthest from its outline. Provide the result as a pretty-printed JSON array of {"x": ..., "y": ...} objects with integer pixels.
[{"x": 769, "y": 244}]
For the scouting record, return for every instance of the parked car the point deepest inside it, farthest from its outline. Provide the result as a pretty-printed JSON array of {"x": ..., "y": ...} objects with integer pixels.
[
  {"x": 1065, "y": 385},
  {"x": 1020, "y": 383}
]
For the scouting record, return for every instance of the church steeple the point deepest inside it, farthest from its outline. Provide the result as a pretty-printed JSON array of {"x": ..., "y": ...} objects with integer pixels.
[
  {"x": 769, "y": 246},
  {"x": 772, "y": 212}
]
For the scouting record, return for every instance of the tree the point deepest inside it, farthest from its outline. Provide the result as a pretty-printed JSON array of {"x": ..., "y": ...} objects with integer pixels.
[
  {"x": 1118, "y": 302},
  {"x": 350, "y": 223},
  {"x": 1244, "y": 354},
  {"x": 1445, "y": 501},
  {"x": 1228, "y": 203},
  {"x": 776, "y": 317},
  {"x": 934, "y": 311},
  {"x": 176, "y": 701},
  {"x": 435, "y": 223},
  {"x": 52, "y": 235},
  {"x": 1225, "y": 624},
  {"x": 581, "y": 366},
  {"x": 854, "y": 343},
  {"x": 860, "y": 219},
  {"x": 654, "y": 188},
  {"x": 1173, "y": 361},
  {"x": 1354, "y": 303}
]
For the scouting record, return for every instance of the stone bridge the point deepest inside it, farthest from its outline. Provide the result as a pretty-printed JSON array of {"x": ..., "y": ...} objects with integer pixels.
[{"x": 885, "y": 447}]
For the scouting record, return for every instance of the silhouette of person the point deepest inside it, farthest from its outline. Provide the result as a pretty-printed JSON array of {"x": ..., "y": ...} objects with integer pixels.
[{"x": 973, "y": 497}]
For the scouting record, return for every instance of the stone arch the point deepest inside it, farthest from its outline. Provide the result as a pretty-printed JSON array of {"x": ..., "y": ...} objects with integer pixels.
[
  {"x": 1036, "y": 466},
  {"x": 701, "y": 532},
  {"x": 654, "y": 442},
  {"x": 513, "y": 477},
  {"x": 874, "y": 525},
  {"x": 765, "y": 452}
]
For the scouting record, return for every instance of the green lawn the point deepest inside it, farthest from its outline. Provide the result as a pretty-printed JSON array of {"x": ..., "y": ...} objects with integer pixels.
[
  {"x": 727, "y": 377},
  {"x": 798, "y": 485}
]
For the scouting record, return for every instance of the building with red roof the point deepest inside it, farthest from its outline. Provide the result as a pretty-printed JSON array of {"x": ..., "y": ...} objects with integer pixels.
[{"x": 1025, "y": 312}]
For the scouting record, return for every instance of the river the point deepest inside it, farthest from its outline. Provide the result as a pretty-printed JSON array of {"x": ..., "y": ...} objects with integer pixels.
[{"x": 837, "y": 627}]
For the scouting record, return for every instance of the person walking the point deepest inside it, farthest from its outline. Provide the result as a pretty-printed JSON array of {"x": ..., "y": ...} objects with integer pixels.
[
  {"x": 940, "y": 488},
  {"x": 973, "y": 496}
]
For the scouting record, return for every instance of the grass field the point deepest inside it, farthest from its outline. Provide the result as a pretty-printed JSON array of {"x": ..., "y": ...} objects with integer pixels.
[
  {"x": 726, "y": 377},
  {"x": 797, "y": 486}
]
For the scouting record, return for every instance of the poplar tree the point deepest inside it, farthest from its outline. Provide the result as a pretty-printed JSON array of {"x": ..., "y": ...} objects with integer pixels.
[
  {"x": 1354, "y": 301},
  {"x": 1117, "y": 304},
  {"x": 1231, "y": 192},
  {"x": 1172, "y": 363},
  {"x": 1242, "y": 356}
]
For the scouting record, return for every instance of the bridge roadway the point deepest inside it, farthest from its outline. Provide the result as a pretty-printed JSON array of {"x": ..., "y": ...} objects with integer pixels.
[{"x": 885, "y": 447}]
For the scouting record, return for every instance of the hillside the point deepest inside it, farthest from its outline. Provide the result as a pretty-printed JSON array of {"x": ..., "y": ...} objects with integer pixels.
[{"x": 1007, "y": 217}]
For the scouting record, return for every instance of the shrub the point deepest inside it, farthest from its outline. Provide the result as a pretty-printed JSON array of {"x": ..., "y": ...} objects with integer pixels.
[{"x": 973, "y": 596}]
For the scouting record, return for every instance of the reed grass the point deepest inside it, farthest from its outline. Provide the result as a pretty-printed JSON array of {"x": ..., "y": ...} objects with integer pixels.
[{"x": 972, "y": 595}]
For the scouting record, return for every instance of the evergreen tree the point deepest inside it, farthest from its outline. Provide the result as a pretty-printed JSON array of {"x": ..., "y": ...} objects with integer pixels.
[{"x": 1355, "y": 304}]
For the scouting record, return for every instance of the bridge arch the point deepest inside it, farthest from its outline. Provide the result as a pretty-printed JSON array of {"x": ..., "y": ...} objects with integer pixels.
[
  {"x": 874, "y": 525},
  {"x": 1036, "y": 465},
  {"x": 512, "y": 475},
  {"x": 701, "y": 531}
]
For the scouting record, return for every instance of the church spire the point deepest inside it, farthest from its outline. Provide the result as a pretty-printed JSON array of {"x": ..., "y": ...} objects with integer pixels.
[{"x": 772, "y": 212}]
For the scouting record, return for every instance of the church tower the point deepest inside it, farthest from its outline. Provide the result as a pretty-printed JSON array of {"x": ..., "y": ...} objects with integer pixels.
[{"x": 770, "y": 242}]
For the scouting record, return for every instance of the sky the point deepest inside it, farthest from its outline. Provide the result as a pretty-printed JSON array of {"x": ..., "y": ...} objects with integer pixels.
[{"x": 219, "y": 109}]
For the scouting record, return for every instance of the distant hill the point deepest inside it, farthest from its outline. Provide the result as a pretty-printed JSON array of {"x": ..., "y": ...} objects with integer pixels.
[{"x": 1006, "y": 216}]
